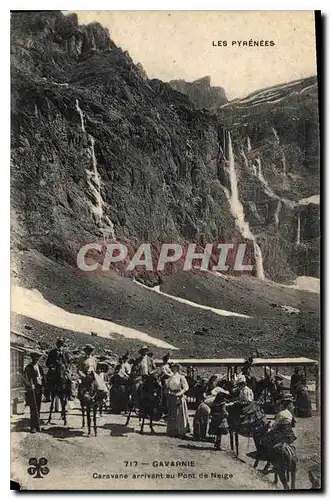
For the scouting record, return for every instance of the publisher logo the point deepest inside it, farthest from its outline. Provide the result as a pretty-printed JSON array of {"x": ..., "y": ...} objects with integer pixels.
[{"x": 38, "y": 468}]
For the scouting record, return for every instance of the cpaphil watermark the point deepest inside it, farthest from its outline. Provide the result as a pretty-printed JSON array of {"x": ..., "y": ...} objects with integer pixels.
[{"x": 216, "y": 257}]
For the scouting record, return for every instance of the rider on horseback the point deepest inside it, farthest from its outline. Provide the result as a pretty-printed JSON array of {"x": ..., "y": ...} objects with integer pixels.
[
  {"x": 58, "y": 360},
  {"x": 142, "y": 366},
  {"x": 281, "y": 429},
  {"x": 88, "y": 363},
  {"x": 245, "y": 393}
]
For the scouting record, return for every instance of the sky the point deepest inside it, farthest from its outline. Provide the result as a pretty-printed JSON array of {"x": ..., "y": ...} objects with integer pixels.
[{"x": 179, "y": 45}]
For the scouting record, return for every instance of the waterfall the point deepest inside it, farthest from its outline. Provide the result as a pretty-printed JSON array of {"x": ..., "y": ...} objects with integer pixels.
[
  {"x": 284, "y": 164},
  {"x": 267, "y": 189},
  {"x": 277, "y": 212},
  {"x": 261, "y": 178},
  {"x": 298, "y": 230},
  {"x": 243, "y": 154},
  {"x": 93, "y": 179},
  {"x": 81, "y": 116},
  {"x": 94, "y": 183},
  {"x": 238, "y": 212},
  {"x": 274, "y": 131}
]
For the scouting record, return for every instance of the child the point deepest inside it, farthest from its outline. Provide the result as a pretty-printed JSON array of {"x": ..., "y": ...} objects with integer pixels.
[
  {"x": 219, "y": 423},
  {"x": 200, "y": 421}
]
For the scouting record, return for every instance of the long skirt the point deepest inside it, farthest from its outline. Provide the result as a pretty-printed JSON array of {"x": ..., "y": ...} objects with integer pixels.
[
  {"x": 200, "y": 421},
  {"x": 177, "y": 422}
]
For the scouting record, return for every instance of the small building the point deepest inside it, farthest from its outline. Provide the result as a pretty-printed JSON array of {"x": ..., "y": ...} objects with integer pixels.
[{"x": 20, "y": 346}]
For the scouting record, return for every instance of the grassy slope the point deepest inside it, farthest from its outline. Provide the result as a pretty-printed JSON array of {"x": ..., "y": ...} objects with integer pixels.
[{"x": 118, "y": 299}]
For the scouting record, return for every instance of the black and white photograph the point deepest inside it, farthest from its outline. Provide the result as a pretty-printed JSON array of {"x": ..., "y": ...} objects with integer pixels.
[{"x": 165, "y": 250}]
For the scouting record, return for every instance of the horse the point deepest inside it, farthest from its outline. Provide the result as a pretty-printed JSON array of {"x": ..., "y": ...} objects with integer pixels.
[
  {"x": 59, "y": 385},
  {"x": 90, "y": 398},
  {"x": 147, "y": 399}
]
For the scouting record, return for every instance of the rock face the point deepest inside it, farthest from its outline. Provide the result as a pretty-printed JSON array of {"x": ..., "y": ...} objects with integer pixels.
[
  {"x": 276, "y": 133},
  {"x": 100, "y": 151},
  {"x": 201, "y": 93}
]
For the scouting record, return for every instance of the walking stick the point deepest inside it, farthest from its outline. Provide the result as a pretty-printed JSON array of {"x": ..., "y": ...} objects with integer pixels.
[{"x": 35, "y": 404}]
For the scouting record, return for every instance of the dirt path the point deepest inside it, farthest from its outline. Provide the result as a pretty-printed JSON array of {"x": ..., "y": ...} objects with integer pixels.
[{"x": 73, "y": 459}]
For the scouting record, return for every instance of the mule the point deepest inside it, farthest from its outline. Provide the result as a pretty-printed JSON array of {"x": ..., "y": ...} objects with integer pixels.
[
  {"x": 147, "y": 399},
  {"x": 282, "y": 455},
  {"x": 59, "y": 385},
  {"x": 91, "y": 398}
]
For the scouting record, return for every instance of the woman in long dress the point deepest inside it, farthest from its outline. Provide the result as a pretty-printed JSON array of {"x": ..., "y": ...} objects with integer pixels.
[
  {"x": 303, "y": 406},
  {"x": 177, "y": 421}
]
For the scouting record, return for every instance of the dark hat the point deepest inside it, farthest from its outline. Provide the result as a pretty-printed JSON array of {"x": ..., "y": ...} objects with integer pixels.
[
  {"x": 89, "y": 347},
  {"x": 35, "y": 355},
  {"x": 287, "y": 397},
  {"x": 60, "y": 340},
  {"x": 103, "y": 366},
  {"x": 102, "y": 358}
]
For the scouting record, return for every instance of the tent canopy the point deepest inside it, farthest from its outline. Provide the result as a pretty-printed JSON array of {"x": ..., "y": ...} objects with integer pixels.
[{"x": 240, "y": 361}]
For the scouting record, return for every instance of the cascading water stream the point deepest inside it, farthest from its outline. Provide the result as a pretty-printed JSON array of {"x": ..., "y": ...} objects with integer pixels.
[
  {"x": 276, "y": 136},
  {"x": 94, "y": 183},
  {"x": 267, "y": 189},
  {"x": 284, "y": 165},
  {"x": 298, "y": 230},
  {"x": 238, "y": 212},
  {"x": 81, "y": 116},
  {"x": 277, "y": 212}
]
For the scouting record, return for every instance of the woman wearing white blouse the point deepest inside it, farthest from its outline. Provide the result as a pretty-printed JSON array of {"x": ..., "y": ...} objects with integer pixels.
[{"x": 177, "y": 421}]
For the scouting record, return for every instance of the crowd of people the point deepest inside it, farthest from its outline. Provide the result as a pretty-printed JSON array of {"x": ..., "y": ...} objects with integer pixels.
[{"x": 123, "y": 380}]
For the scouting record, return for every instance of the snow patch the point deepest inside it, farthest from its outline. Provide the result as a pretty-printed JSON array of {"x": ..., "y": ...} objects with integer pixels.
[
  {"x": 290, "y": 309},
  {"x": 32, "y": 304},
  {"x": 220, "y": 312},
  {"x": 315, "y": 200},
  {"x": 307, "y": 283}
]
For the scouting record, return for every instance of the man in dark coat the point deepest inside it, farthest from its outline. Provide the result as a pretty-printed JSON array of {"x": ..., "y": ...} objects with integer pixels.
[
  {"x": 33, "y": 381},
  {"x": 295, "y": 379},
  {"x": 58, "y": 357}
]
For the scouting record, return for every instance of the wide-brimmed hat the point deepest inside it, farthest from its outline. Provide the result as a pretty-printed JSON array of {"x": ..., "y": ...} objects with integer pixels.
[
  {"x": 60, "y": 340},
  {"x": 241, "y": 379},
  {"x": 89, "y": 347},
  {"x": 144, "y": 348}
]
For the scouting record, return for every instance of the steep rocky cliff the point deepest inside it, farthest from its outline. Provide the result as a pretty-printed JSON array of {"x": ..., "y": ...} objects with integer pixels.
[
  {"x": 100, "y": 151},
  {"x": 201, "y": 93}
]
